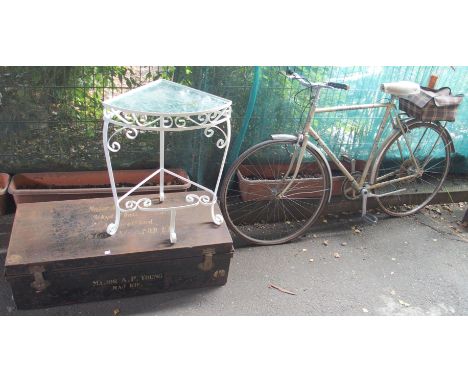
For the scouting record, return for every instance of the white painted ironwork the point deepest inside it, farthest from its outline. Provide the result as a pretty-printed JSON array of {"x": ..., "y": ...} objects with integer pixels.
[{"x": 129, "y": 123}]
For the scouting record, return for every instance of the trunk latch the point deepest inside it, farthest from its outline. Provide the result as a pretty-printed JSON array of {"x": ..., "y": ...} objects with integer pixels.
[
  {"x": 207, "y": 263},
  {"x": 39, "y": 283}
]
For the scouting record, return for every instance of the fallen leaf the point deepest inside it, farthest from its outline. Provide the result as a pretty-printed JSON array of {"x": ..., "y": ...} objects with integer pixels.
[
  {"x": 116, "y": 311},
  {"x": 355, "y": 229},
  {"x": 325, "y": 243},
  {"x": 314, "y": 236},
  {"x": 434, "y": 209},
  {"x": 344, "y": 244},
  {"x": 304, "y": 249},
  {"x": 393, "y": 259},
  {"x": 281, "y": 289},
  {"x": 325, "y": 220},
  {"x": 434, "y": 239},
  {"x": 365, "y": 310},
  {"x": 311, "y": 260},
  {"x": 447, "y": 208},
  {"x": 455, "y": 229},
  {"x": 392, "y": 292},
  {"x": 403, "y": 303},
  {"x": 336, "y": 255}
]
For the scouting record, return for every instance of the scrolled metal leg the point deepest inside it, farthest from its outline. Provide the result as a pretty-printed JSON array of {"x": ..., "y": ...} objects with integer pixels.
[
  {"x": 112, "y": 227},
  {"x": 172, "y": 234},
  {"x": 222, "y": 144},
  {"x": 217, "y": 218}
]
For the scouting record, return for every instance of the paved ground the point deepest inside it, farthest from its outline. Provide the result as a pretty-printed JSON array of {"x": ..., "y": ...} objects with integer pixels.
[{"x": 409, "y": 266}]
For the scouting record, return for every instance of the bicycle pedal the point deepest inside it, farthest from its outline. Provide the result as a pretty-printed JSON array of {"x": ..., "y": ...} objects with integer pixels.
[{"x": 370, "y": 218}]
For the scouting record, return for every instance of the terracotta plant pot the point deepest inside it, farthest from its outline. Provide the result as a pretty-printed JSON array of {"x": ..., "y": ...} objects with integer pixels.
[
  {"x": 49, "y": 186},
  {"x": 263, "y": 189},
  {"x": 252, "y": 189},
  {"x": 4, "y": 181}
]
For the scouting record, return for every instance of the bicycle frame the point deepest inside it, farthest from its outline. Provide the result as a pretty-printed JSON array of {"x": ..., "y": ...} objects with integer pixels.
[{"x": 309, "y": 131}]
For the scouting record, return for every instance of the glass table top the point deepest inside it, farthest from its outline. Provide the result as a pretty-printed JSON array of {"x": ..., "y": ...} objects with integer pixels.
[{"x": 166, "y": 97}]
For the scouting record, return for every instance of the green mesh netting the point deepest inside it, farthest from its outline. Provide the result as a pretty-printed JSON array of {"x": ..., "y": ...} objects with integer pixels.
[
  {"x": 51, "y": 117},
  {"x": 352, "y": 132}
]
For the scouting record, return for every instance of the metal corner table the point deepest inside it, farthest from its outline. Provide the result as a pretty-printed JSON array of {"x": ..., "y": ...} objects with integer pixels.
[{"x": 164, "y": 106}]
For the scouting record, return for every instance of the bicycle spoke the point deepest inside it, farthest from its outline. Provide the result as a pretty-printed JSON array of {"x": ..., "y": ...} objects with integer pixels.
[
  {"x": 429, "y": 155},
  {"x": 425, "y": 139},
  {"x": 417, "y": 146}
]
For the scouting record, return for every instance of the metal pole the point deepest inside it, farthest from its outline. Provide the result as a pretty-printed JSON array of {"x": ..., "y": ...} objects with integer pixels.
[{"x": 161, "y": 163}]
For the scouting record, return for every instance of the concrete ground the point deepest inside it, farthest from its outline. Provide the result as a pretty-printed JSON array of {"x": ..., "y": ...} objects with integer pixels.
[{"x": 416, "y": 265}]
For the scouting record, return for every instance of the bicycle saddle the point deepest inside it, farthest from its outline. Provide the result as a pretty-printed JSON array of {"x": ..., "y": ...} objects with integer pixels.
[{"x": 400, "y": 88}]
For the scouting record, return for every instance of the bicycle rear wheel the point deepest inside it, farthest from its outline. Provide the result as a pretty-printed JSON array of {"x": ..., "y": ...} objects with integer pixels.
[
  {"x": 251, "y": 194},
  {"x": 431, "y": 147}
]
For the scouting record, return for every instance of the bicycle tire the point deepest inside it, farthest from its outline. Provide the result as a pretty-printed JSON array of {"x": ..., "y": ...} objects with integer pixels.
[{"x": 271, "y": 230}]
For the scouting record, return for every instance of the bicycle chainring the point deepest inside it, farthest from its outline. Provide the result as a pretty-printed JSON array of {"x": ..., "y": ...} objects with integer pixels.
[{"x": 347, "y": 189}]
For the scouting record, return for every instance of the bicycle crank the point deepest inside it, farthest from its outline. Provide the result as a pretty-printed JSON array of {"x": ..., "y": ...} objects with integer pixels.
[
  {"x": 365, "y": 193},
  {"x": 347, "y": 189}
]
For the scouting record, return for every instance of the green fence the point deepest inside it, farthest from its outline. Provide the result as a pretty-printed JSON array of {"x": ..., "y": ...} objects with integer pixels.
[
  {"x": 350, "y": 131},
  {"x": 50, "y": 117}
]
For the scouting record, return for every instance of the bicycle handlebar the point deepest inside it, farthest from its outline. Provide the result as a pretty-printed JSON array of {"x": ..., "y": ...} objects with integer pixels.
[
  {"x": 293, "y": 75},
  {"x": 337, "y": 85},
  {"x": 305, "y": 82}
]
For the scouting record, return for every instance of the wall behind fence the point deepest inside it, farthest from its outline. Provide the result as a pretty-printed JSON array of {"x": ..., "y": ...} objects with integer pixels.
[{"x": 50, "y": 117}]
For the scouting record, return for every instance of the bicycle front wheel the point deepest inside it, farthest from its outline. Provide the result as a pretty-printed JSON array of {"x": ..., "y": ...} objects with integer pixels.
[
  {"x": 261, "y": 202},
  {"x": 418, "y": 179}
]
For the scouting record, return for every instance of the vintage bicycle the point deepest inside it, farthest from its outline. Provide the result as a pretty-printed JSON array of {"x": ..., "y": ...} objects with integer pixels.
[{"x": 278, "y": 188}]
